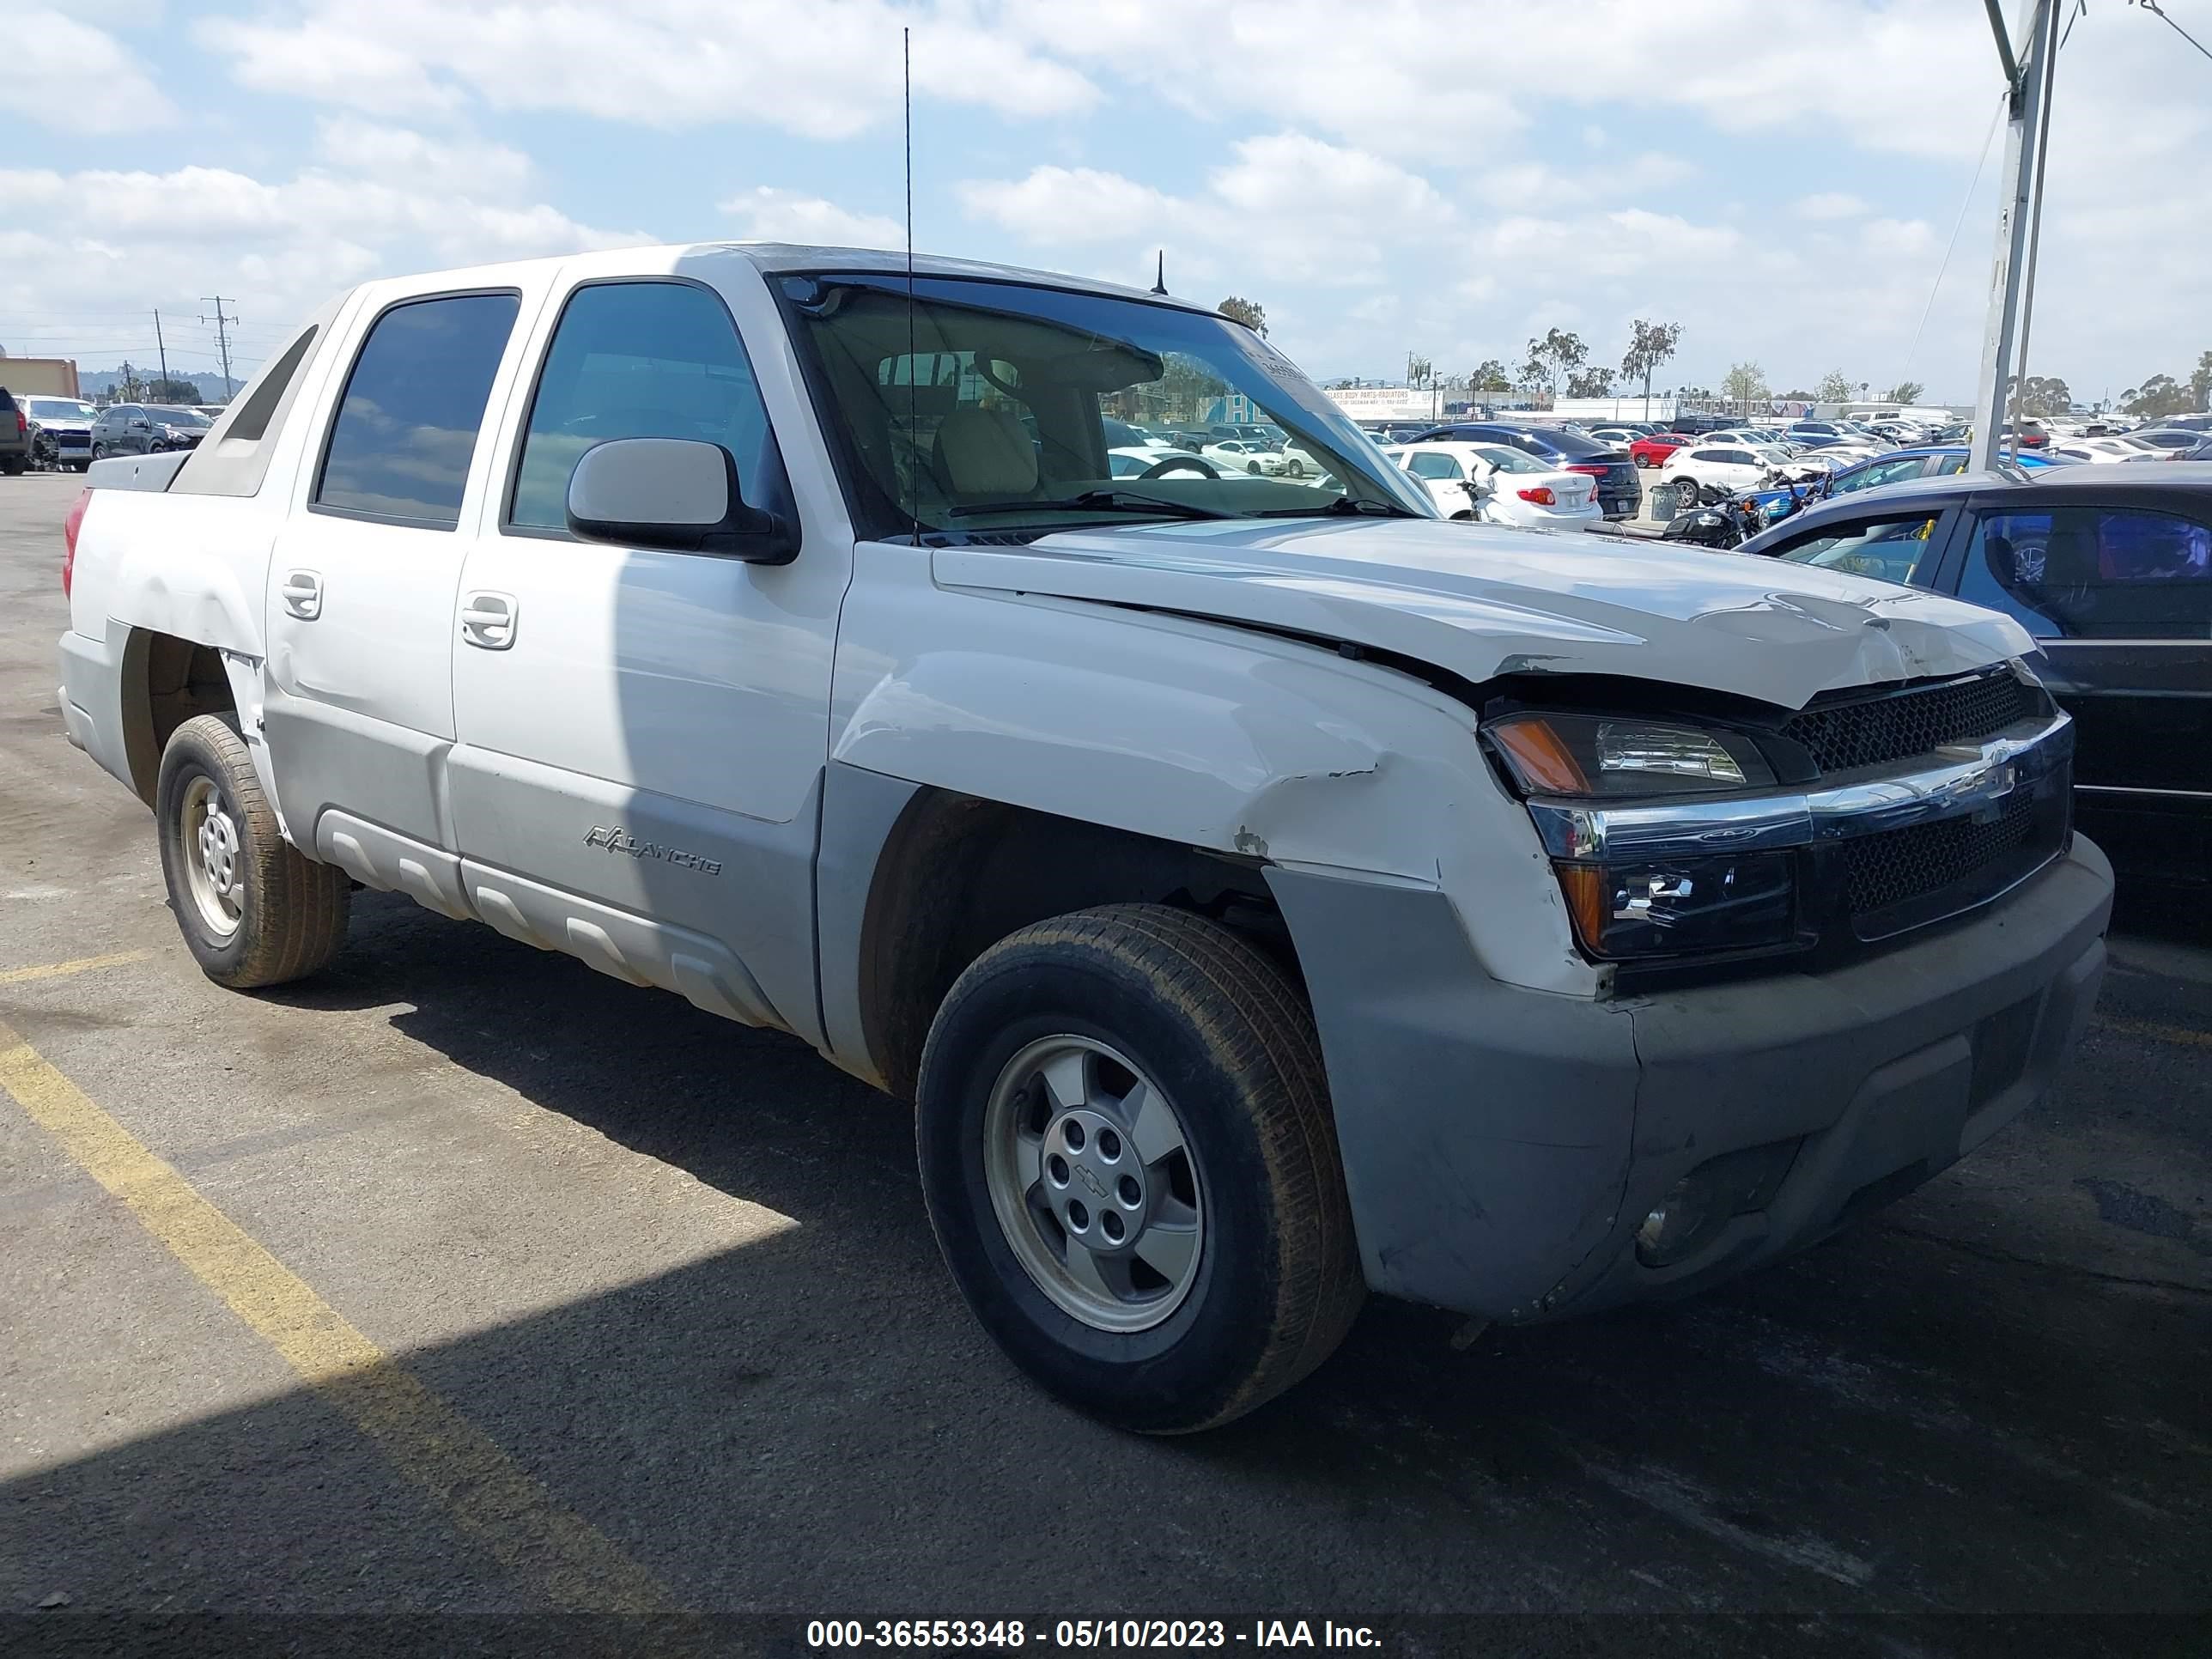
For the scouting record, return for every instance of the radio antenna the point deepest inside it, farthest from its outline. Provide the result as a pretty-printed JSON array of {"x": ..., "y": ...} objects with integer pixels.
[{"x": 913, "y": 361}]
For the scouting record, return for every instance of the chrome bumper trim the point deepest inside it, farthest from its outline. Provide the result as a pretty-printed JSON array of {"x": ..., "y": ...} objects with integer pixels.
[{"x": 1981, "y": 776}]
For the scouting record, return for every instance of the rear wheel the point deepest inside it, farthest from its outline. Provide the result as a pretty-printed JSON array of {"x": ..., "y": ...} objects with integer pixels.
[
  {"x": 252, "y": 910},
  {"x": 1128, "y": 1155}
]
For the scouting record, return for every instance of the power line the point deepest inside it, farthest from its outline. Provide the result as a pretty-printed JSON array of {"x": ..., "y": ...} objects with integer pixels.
[
  {"x": 222, "y": 341},
  {"x": 2152, "y": 7},
  {"x": 1957, "y": 226}
]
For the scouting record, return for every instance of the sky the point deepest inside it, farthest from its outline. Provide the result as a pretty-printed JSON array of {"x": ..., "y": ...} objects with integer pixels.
[{"x": 1783, "y": 178}]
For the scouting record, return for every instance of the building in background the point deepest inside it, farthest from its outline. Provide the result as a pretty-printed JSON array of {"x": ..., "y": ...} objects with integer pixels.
[{"x": 51, "y": 377}]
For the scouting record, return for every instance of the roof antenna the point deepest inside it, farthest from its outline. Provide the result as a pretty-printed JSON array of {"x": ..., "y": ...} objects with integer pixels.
[
  {"x": 1160, "y": 280},
  {"x": 912, "y": 362}
]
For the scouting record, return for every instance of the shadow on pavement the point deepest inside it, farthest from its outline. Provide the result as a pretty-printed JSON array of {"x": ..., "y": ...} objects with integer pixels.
[{"x": 1932, "y": 1412}]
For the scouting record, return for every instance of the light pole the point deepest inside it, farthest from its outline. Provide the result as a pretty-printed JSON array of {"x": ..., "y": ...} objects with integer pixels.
[{"x": 2029, "y": 77}]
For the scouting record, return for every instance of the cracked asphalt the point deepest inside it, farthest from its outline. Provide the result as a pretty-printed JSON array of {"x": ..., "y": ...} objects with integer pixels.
[{"x": 676, "y": 1278}]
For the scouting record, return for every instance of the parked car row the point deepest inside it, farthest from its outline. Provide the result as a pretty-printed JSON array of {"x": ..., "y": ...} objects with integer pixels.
[{"x": 70, "y": 434}]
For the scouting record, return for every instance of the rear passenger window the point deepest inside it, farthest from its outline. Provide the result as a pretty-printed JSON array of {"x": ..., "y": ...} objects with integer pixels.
[
  {"x": 638, "y": 360},
  {"x": 407, "y": 426},
  {"x": 2094, "y": 573}
]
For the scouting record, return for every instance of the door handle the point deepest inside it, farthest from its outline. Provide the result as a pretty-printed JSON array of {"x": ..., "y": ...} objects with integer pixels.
[
  {"x": 302, "y": 594},
  {"x": 487, "y": 620}
]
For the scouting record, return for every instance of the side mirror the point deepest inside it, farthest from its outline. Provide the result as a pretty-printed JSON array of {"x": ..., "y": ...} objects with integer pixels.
[
  {"x": 673, "y": 493},
  {"x": 142, "y": 426}
]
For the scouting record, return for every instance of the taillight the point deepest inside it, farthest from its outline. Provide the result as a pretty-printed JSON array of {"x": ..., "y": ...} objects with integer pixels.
[
  {"x": 22, "y": 423},
  {"x": 1590, "y": 467},
  {"x": 1542, "y": 494},
  {"x": 70, "y": 527}
]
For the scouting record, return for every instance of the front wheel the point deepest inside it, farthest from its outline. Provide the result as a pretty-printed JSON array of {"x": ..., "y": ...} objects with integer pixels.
[
  {"x": 252, "y": 910},
  {"x": 1128, "y": 1155}
]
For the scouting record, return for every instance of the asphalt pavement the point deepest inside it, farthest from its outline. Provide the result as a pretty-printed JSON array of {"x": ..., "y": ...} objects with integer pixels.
[{"x": 461, "y": 1280}]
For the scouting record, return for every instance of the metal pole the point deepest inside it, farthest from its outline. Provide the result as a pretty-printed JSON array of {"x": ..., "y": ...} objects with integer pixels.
[
  {"x": 161, "y": 345},
  {"x": 2014, "y": 217},
  {"x": 2049, "y": 65}
]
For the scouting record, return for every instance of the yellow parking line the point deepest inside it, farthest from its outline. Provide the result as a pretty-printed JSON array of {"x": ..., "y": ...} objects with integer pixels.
[
  {"x": 2157, "y": 1032},
  {"x": 491, "y": 1500},
  {"x": 82, "y": 965}
]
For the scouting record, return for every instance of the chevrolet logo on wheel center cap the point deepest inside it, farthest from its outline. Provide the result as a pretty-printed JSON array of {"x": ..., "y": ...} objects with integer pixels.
[{"x": 1097, "y": 1187}]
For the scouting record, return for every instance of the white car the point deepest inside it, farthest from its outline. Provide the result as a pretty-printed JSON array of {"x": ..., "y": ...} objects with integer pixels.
[
  {"x": 1247, "y": 455},
  {"x": 1721, "y": 466},
  {"x": 2100, "y": 451},
  {"x": 1521, "y": 489},
  {"x": 1260, "y": 895},
  {"x": 1158, "y": 461}
]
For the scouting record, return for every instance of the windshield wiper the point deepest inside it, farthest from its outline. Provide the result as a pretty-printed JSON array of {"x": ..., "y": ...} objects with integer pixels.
[
  {"x": 1096, "y": 501},
  {"x": 1342, "y": 506}
]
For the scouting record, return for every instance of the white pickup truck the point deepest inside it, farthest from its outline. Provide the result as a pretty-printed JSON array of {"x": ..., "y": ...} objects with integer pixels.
[{"x": 1265, "y": 890}]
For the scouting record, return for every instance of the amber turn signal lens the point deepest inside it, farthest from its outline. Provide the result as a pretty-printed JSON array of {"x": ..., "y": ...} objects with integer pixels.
[
  {"x": 1545, "y": 763},
  {"x": 1584, "y": 886}
]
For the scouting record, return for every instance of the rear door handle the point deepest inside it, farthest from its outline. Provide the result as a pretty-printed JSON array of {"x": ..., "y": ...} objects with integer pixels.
[
  {"x": 302, "y": 594},
  {"x": 487, "y": 620}
]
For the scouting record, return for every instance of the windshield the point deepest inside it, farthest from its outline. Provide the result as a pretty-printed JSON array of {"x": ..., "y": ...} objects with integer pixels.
[
  {"x": 167, "y": 417},
  {"x": 990, "y": 410},
  {"x": 1509, "y": 460},
  {"x": 61, "y": 408},
  {"x": 1575, "y": 445}
]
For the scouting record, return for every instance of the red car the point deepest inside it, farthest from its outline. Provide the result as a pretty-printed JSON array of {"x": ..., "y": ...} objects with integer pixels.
[{"x": 1654, "y": 450}]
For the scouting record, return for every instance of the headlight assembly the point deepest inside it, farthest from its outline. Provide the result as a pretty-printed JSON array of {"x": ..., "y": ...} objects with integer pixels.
[
  {"x": 1608, "y": 757},
  {"x": 1627, "y": 905}
]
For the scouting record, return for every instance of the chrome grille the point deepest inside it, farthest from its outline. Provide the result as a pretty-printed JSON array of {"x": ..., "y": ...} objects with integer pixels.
[{"x": 1843, "y": 737}]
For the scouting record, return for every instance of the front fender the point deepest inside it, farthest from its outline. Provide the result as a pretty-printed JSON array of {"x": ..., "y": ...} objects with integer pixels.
[{"x": 1198, "y": 733}]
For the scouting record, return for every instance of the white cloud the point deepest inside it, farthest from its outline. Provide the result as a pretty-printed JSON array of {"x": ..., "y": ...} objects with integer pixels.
[
  {"x": 1287, "y": 204},
  {"x": 1829, "y": 204},
  {"x": 65, "y": 75},
  {"x": 129, "y": 240},
  {"x": 765, "y": 214},
  {"x": 822, "y": 69}
]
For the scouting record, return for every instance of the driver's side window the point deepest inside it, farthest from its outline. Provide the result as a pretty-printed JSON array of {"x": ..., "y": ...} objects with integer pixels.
[{"x": 637, "y": 360}]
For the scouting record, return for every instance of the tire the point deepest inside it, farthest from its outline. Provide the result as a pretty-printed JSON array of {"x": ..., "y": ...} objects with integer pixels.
[
  {"x": 99, "y": 454},
  {"x": 287, "y": 914},
  {"x": 14, "y": 465},
  {"x": 1253, "y": 468},
  {"x": 1217, "y": 1033}
]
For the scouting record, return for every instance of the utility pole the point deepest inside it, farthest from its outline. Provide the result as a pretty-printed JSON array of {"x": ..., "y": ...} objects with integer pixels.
[
  {"x": 2028, "y": 74},
  {"x": 161, "y": 345},
  {"x": 223, "y": 340}
]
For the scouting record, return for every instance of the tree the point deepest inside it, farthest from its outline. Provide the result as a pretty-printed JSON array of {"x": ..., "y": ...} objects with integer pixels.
[
  {"x": 1590, "y": 383},
  {"x": 1551, "y": 359},
  {"x": 2157, "y": 398},
  {"x": 1250, "y": 313},
  {"x": 1746, "y": 383},
  {"x": 2200, "y": 383},
  {"x": 2041, "y": 396},
  {"x": 1835, "y": 387},
  {"x": 1905, "y": 391},
  {"x": 1650, "y": 345},
  {"x": 1489, "y": 375},
  {"x": 162, "y": 391}
]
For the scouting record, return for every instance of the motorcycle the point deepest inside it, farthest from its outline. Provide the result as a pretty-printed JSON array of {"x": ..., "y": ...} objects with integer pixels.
[{"x": 1731, "y": 524}]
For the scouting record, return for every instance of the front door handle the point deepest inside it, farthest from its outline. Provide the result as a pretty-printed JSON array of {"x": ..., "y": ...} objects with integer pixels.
[
  {"x": 487, "y": 620},
  {"x": 302, "y": 594}
]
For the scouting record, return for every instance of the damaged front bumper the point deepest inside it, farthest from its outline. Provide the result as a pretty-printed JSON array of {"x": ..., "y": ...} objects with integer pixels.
[{"x": 1504, "y": 1147}]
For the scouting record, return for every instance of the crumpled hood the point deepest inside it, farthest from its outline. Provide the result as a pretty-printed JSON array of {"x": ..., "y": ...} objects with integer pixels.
[{"x": 1480, "y": 601}]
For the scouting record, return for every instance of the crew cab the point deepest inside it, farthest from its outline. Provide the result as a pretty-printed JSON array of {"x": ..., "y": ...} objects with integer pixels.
[{"x": 1266, "y": 892}]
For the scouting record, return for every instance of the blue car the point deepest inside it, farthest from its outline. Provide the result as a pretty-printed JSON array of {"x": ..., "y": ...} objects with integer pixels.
[{"x": 1925, "y": 461}]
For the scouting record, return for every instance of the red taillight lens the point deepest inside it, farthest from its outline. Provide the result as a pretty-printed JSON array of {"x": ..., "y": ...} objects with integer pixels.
[
  {"x": 22, "y": 423},
  {"x": 1591, "y": 468},
  {"x": 70, "y": 527},
  {"x": 1542, "y": 494}
]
